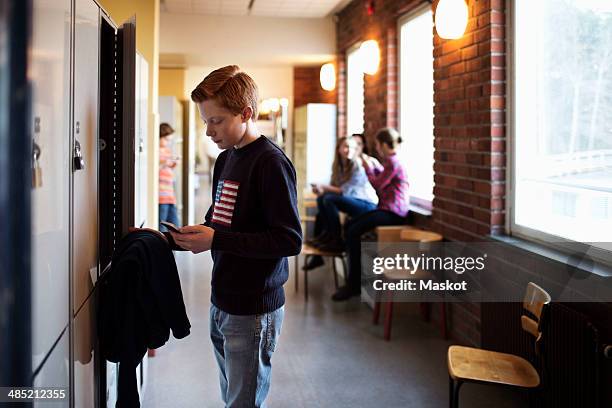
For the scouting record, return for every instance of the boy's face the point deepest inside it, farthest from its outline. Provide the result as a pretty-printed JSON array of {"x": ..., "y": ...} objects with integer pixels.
[{"x": 222, "y": 126}]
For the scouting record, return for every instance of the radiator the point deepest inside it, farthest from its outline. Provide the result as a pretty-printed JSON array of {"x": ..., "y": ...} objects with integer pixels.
[{"x": 572, "y": 363}]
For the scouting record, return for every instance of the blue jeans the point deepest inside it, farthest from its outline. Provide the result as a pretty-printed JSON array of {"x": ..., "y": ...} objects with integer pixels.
[
  {"x": 353, "y": 231},
  {"x": 243, "y": 348},
  {"x": 167, "y": 212},
  {"x": 329, "y": 205}
]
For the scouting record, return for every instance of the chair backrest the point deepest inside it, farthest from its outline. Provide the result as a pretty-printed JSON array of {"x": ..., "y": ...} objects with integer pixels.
[{"x": 536, "y": 301}]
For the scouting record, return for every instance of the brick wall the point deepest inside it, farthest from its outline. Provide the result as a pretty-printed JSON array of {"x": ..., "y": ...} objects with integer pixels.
[
  {"x": 307, "y": 87},
  {"x": 381, "y": 90},
  {"x": 469, "y": 119},
  {"x": 469, "y": 127}
]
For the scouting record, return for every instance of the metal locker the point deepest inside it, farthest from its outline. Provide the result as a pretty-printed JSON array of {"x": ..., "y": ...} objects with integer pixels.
[
  {"x": 54, "y": 373},
  {"x": 85, "y": 143},
  {"x": 49, "y": 71},
  {"x": 85, "y": 361},
  {"x": 85, "y": 259}
]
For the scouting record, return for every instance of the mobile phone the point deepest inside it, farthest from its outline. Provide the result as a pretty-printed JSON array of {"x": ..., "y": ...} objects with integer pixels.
[{"x": 170, "y": 226}]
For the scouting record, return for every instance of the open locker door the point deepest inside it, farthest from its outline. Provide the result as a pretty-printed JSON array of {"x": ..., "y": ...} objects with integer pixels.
[
  {"x": 117, "y": 133},
  {"x": 126, "y": 35},
  {"x": 117, "y": 157}
]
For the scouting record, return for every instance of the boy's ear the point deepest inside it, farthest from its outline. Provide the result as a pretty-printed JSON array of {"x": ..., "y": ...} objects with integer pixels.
[{"x": 247, "y": 113}]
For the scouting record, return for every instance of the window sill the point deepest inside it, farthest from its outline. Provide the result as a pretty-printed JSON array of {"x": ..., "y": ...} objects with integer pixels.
[
  {"x": 598, "y": 268},
  {"x": 420, "y": 210}
]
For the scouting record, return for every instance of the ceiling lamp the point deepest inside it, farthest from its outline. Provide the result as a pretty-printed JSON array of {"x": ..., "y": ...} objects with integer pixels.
[
  {"x": 370, "y": 56},
  {"x": 328, "y": 77},
  {"x": 451, "y": 18}
]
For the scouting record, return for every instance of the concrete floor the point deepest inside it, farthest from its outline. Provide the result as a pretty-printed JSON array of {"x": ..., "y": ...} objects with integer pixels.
[{"x": 329, "y": 355}]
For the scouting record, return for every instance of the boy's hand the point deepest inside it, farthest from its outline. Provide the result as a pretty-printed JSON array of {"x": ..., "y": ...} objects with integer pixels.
[{"x": 194, "y": 238}]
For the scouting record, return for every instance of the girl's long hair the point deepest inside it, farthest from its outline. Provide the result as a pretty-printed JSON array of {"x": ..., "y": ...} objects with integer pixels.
[{"x": 342, "y": 169}]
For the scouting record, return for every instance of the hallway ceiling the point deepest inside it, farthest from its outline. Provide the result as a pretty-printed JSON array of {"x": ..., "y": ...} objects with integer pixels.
[{"x": 267, "y": 8}]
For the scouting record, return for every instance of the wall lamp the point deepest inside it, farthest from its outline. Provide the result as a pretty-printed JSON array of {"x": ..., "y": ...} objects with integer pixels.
[
  {"x": 370, "y": 56},
  {"x": 451, "y": 18},
  {"x": 327, "y": 76}
]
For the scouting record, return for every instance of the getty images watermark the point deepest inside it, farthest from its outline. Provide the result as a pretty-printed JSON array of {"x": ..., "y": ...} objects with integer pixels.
[
  {"x": 478, "y": 272},
  {"x": 414, "y": 268}
]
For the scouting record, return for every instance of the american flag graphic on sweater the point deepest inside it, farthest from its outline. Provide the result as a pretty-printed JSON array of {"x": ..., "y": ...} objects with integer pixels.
[{"x": 225, "y": 200}]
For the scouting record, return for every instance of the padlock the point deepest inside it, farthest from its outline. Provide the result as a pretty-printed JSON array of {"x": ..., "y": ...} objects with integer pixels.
[
  {"x": 77, "y": 160},
  {"x": 36, "y": 170}
]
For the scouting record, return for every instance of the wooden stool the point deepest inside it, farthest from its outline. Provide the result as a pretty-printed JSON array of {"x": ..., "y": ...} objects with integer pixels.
[
  {"x": 467, "y": 364},
  {"x": 307, "y": 251},
  {"x": 409, "y": 234}
]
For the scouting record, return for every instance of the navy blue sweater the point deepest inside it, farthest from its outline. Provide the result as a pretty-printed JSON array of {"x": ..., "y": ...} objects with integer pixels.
[{"x": 256, "y": 222}]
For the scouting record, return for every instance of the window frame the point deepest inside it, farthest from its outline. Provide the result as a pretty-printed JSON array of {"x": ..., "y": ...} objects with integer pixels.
[
  {"x": 353, "y": 48},
  {"x": 551, "y": 241},
  {"x": 403, "y": 19}
]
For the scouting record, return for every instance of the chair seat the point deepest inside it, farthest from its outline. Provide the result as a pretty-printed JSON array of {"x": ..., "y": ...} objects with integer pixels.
[
  {"x": 476, "y": 365},
  {"x": 399, "y": 274},
  {"x": 310, "y": 250}
]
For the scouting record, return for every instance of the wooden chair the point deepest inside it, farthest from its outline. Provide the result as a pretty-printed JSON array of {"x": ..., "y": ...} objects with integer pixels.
[
  {"x": 467, "y": 364},
  {"x": 309, "y": 250},
  {"x": 405, "y": 234}
]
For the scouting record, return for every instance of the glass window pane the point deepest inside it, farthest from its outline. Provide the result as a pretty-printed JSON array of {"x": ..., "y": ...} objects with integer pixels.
[
  {"x": 416, "y": 103},
  {"x": 354, "y": 93},
  {"x": 563, "y": 129}
]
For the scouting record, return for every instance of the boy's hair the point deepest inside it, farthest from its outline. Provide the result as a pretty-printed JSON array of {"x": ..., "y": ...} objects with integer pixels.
[{"x": 230, "y": 87}]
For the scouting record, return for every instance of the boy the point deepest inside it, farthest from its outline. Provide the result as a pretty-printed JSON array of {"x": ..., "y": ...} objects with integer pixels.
[{"x": 251, "y": 227}]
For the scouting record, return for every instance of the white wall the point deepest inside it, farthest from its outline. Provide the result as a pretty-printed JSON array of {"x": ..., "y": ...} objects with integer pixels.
[{"x": 192, "y": 40}]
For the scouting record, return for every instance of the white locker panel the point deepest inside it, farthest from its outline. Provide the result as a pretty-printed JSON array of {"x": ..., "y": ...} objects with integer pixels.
[
  {"x": 142, "y": 97},
  {"x": 85, "y": 214},
  {"x": 84, "y": 327},
  {"x": 54, "y": 373},
  {"x": 49, "y": 72}
]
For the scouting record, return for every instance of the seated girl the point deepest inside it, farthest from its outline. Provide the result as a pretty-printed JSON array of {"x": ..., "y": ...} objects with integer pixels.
[
  {"x": 391, "y": 185},
  {"x": 349, "y": 192}
]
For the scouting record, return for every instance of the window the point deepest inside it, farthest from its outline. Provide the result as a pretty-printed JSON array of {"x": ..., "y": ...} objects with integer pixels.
[
  {"x": 416, "y": 103},
  {"x": 562, "y": 127},
  {"x": 354, "y": 92}
]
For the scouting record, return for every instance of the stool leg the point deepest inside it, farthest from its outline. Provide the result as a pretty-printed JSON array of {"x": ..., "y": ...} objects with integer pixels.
[
  {"x": 305, "y": 281},
  {"x": 333, "y": 259},
  {"x": 376, "y": 315},
  {"x": 344, "y": 269},
  {"x": 297, "y": 273},
  {"x": 389, "y": 317}
]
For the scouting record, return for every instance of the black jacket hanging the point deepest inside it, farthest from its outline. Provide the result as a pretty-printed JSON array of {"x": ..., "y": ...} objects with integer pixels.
[{"x": 140, "y": 300}]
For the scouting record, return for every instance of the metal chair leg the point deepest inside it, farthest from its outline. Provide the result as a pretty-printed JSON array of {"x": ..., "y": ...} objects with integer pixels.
[
  {"x": 425, "y": 310},
  {"x": 443, "y": 324},
  {"x": 333, "y": 259},
  {"x": 344, "y": 269},
  {"x": 453, "y": 392}
]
